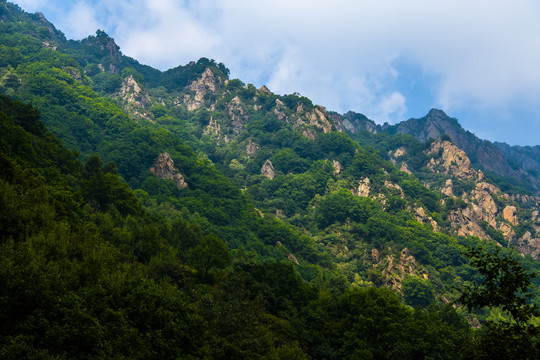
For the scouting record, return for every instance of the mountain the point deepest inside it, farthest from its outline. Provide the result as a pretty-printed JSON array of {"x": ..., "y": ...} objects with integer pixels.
[
  {"x": 232, "y": 222},
  {"x": 517, "y": 165}
]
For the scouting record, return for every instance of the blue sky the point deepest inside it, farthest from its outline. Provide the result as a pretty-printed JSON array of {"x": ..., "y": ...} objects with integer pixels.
[{"x": 479, "y": 61}]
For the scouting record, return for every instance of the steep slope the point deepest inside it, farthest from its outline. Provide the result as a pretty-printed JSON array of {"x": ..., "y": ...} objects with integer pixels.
[
  {"x": 274, "y": 175},
  {"x": 86, "y": 272}
]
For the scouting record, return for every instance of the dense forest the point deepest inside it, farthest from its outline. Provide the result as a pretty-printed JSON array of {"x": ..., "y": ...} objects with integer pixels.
[{"x": 271, "y": 234}]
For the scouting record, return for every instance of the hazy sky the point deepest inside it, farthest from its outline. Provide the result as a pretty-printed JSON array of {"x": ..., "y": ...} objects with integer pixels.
[{"x": 479, "y": 60}]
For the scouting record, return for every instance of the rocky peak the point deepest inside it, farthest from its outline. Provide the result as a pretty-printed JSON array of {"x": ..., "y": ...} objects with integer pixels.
[
  {"x": 449, "y": 159},
  {"x": 435, "y": 124},
  {"x": 164, "y": 169},
  {"x": 355, "y": 123},
  {"x": 105, "y": 43},
  {"x": 263, "y": 89},
  {"x": 493, "y": 157},
  {"x": 207, "y": 82},
  {"x": 47, "y": 24}
]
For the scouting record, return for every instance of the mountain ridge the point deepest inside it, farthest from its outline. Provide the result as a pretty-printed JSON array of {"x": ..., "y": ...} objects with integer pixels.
[{"x": 518, "y": 163}]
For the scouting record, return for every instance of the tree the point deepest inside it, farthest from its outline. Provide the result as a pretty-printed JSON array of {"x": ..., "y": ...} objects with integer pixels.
[
  {"x": 417, "y": 292},
  {"x": 211, "y": 253},
  {"x": 506, "y": 285}
]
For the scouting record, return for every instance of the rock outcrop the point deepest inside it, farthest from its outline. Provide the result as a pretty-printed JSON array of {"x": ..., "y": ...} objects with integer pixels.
[
  {"x": 337, "y": 167},
  {"x": 509, "y": 214},
  {"x": 208, "y": 82},
  {"x": 164, "y": 169},
  {"x": 311, "y": 122},
  {"x": 397, "y": 269},
  {"x": 134, "y": 100},
  {"x": 355, "y": 123},
  {"x": 448, "y": 188},
  {"x": 237, "y": 115},
  {"x": 449, "y": 159},
  {"x": 268, "y": 169},
  {"x": 363, "y": 188}
]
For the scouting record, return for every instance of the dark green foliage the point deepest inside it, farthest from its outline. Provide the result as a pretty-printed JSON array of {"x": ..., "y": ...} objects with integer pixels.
[
  {"x": 506, "y": 284},
  {"x": 341, "y": 206},
  {"x": 417, "y": 292}
]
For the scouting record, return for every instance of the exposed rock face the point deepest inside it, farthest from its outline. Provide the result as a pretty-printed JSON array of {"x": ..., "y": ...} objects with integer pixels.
[
  {"x": 355, "y": 123},
  {"x": 435, "y": 124},
  {"x": 394, "y": 159},
  {"x": 452, "y": 160},
  {"x": 447, "y": 189},
  {"x": 530, "y": 247},
  {"x": 337, "y": 167},
  {"x": 405, "y": 168},
  {"x": 482, "y": 211},
  {"x": 164, "y": 169},
  {"x": 278, "y": 110},
  {"x": 466, "y": 222},
  {"x": 319, "y": 118},
  {"x": 486, "y": 209},
  {"x": 395, "y": 272},
  {"x": 363, "y": 188},
  {"x": 208, "y": 82},
  {"x": 399, "y": 152},
  {"x": 509, "y": 215},
  {"x": 268, "y": 169},
  {"x": 311, "y": 122},
  {"x": 263, "y": 89},
  {"x": 49, "y": 45},
  {"x": 134, "y": 99},
  {"x": 422, "y": 217},
  {"x": 237, "y": 114},
  {"x": 375, "y": 256}
]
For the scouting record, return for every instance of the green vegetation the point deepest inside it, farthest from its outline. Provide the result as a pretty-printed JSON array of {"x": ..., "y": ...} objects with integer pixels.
[{"x": 333, "y": 256}]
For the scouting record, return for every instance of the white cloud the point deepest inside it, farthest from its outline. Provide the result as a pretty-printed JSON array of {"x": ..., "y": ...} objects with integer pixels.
[
  {"x": 340, "y": 53},
  {"x": 80, "y": 20}
]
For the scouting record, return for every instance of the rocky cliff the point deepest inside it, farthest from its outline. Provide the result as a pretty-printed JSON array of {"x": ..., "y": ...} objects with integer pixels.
[
  {"x": 483, "y": 154},
  {"x": 486, "y": 211}
]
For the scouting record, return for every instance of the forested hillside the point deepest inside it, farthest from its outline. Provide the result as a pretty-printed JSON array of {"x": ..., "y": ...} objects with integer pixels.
[{"x": 184, "y": 214}]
